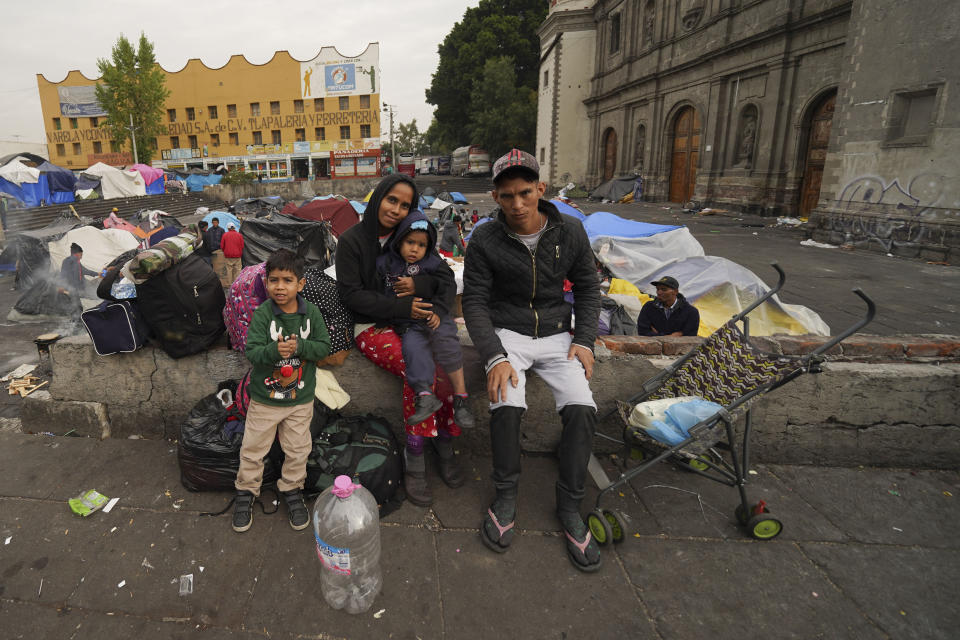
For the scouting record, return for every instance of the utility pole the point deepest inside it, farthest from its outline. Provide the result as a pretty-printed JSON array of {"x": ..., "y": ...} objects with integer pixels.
[
  {"x": 393, "y": 147},
  {"x": 133, "y": 137}
]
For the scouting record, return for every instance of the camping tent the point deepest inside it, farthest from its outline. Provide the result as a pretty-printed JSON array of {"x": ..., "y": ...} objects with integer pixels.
[
  {"x": 100, "y": 246},
  {"x": 640, "y": 253},
  {"x": 61, "y": 182},
  {"x": 152, "y": 178},
  {"x": 615, "y": 189},
  {"x": 339, "y": 213},
  {"x": 24, "y": 183},
  {"x": 258, "y": 206},
  {"x": 29, "y": 250},
  {"x": 563, "y": 207},
  {"x": 224, "y": 218},
  {"x": 196, "y": 182},
  {"x": 309, "y": 238},
  {"x": 116, "y": 183}
]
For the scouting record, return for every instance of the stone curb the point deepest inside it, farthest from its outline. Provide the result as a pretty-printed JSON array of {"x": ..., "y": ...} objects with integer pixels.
[{"x": 858, "y": 347}]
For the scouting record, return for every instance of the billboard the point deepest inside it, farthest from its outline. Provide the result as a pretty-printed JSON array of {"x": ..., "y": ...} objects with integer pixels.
[
  {"x": 79, "y": 101},
  {"x": 333, "y": 74}
]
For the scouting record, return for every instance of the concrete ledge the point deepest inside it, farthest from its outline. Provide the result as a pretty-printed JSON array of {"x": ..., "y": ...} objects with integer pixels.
[
  {"x": 863, "y": 410},
  {"x": 43, "y": 413},
  {"x": 859, "y": 347}
]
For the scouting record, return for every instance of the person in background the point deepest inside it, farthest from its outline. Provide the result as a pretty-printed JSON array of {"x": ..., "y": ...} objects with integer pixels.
[
  {"x": 215, "y": 233},
  {"x": 204, "y": 251},
  {"x": 71, "y": 278},
  {"x": 669, "y": 314},
  {"x": 232, "y": 246}
]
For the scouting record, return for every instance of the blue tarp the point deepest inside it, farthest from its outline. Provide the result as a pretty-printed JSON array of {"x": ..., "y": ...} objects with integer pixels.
[
  {"x": 35, "y": 193},
  {"x": 197, "y": 183},
  {"x": 58, "y": 178},
  {"x": 359, "y": 207},
  {"x": 8, "y": 187},
  {"x": 426, "y": 201},
  {"x": 61, "y": 197},
  {"x": 479, "y": 222},
  {"x": 458, "y": 197},
  {"x": 157, "y": 187},
  {"x": 603, "y": 223},
  {"x": 225, "y": 218},
  {"x": 563, "y": 207}
]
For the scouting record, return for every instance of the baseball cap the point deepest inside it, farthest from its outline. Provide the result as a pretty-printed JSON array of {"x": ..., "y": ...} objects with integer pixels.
[
  {"x": 667, "y": 281},
  {"x": 516, "y": 158}
]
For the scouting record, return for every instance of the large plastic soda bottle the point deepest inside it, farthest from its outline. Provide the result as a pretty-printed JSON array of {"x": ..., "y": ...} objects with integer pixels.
[{"x": 346, "y": 525}]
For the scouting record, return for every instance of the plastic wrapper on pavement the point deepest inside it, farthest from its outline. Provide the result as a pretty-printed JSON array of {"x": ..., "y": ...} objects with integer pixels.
[
  {"x": 309, "y": 238},
  {"x": 209, "y": 454}
]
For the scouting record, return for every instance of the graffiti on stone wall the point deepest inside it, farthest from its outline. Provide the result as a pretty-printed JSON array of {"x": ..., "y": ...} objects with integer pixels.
[{"x": 915, "y": 206}]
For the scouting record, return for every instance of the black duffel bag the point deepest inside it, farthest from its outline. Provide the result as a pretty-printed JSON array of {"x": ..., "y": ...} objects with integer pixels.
[{"x": 362, "y": 447}]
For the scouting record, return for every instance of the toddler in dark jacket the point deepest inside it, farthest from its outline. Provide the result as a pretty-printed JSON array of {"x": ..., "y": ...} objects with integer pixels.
[{"x": 412, "y": 252}]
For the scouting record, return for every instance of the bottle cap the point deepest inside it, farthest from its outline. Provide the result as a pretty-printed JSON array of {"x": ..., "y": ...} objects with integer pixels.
[{"x": 343, "y": 487}]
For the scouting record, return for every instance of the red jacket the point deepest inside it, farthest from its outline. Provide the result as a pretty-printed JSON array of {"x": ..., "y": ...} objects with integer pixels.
[{"x": 232, "y": 244}]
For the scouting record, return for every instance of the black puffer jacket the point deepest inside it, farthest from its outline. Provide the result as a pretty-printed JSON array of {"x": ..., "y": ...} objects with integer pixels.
[
  {"x": 357, "y": 282},
  {"x": 507, "y": 286}
]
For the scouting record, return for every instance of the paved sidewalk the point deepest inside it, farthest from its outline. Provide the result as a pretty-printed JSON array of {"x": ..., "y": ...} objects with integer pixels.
[{"x": 865, "y": 553}]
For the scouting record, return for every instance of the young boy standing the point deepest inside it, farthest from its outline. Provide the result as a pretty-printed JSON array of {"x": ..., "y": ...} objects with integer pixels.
[{"x": 286, "y": 337}]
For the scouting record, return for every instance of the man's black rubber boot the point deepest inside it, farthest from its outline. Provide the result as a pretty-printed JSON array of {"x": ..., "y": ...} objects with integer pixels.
[
  {"x": 450, "y": 469},
  {"x": 243, "y": 511},
  {"x": 415, "y": 480}
]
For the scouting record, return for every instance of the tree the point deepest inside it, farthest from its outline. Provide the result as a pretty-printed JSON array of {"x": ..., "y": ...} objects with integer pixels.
[
  {"x": 410, "y": 139},
  {"x": 132, "y": 84},
  {"x": 493, "y": 29},
  {"x": 502, "y": 114}
]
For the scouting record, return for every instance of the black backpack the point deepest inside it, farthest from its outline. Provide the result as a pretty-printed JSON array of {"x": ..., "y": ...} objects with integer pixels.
[
  {"x": 362, "y": 447},
  {"x": 183, "y": 306}
]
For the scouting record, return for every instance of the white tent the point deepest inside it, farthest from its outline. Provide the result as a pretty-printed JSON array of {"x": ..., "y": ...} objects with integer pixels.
[
  {"x": 18, "y": 173},
  {"x": 117, "y": 183},
  {"x": 100, "y": 246}
]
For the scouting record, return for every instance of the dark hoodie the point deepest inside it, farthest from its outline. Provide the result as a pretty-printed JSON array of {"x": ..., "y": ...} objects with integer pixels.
[
  {"x": 391, "y": 265},
  {"x": 357, "y": 250}
]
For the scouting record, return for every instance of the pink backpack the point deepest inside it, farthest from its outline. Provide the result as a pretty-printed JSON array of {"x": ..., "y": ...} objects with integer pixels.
[{"x": 247, "y": 292}]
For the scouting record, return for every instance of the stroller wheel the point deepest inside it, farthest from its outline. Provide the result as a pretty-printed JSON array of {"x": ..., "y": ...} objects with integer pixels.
[
  {"x": 599, "y": 527},
  {"x": 764, "y": 527},
  {"x": 618, "y": 525},
  {"x": 698, "y": 463}
]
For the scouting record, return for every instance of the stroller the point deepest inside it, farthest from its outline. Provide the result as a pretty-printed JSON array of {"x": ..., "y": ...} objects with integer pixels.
[{"x": 727, "y": 370}]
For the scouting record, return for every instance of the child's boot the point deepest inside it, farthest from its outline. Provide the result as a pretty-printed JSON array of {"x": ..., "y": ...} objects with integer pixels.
[
  {"x": 243, "y": 511},
  {"x": 450, "y": 469},
  {"x": 424, "y": 406},
  {"x": 461, "y": 412},
  {"x": 415, "y": 479},
  {"x": 296, "y": 509}
]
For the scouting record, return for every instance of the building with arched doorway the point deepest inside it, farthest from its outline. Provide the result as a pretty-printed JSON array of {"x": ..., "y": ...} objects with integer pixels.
[{"x": 764, "y": 107}]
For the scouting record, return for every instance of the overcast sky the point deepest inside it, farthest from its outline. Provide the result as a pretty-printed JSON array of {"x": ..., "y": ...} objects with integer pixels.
[{"x": 53, "y": 37}]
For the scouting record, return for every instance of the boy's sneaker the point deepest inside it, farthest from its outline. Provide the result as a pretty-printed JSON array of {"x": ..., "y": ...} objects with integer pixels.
[
  {"x": 424, "y": 406},
  {"x": 243, "y": 511},
  {"x": 296, "y": 509},
  {"x": 461, "y": 413}
]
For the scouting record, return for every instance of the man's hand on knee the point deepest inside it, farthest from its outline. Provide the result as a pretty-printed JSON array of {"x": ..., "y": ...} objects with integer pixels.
[
  {"x": 497, "y": 379},
  {"x": 584, "y": 355}
]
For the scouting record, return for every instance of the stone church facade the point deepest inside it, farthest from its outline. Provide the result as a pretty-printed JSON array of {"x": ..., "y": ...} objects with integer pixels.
[{"x": 776, "y": 107}]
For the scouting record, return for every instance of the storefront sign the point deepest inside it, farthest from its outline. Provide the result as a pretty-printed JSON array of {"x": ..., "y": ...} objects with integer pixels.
[{"x": 113, "y": 159}]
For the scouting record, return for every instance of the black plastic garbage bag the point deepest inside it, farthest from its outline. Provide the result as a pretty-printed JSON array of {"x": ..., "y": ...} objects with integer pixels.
[{"x": 209, "y": 454}]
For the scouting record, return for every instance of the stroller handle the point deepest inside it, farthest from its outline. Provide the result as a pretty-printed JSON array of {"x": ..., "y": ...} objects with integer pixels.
[
  {"x": 849, "y": 331},
  {"x": 759, "y": 301}
]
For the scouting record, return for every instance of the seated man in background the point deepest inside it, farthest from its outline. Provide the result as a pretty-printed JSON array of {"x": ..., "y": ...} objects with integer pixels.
[{"x": 669, "y": 314}]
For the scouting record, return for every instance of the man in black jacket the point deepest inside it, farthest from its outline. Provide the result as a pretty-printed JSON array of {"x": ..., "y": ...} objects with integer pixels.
[
  {"x": 518, "y": 320},
  {"x": 669, "y": 314}
]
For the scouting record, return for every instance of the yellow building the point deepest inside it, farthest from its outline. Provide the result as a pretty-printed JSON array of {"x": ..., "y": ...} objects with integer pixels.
[{"x": 281, "y": 119}]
